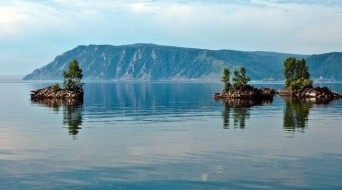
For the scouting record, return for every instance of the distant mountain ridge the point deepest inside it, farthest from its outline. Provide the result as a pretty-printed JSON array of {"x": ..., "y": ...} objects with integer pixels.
[{"x": 155, "y": 62}]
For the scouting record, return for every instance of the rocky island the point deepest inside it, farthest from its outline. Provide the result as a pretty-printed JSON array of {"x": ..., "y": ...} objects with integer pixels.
[
  {"x": 246, "y": 92},
  {"x": 52, "y": 92},
  {"x": 319, "y": 92},
  {"x": 240, "y": 89},
  {"x": 72, "y": 91},
  {"x": 299, "y": 85}
]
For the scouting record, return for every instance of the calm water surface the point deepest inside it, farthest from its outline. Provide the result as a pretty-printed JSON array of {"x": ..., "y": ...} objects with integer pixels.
[{"x": 167, "y": 136}]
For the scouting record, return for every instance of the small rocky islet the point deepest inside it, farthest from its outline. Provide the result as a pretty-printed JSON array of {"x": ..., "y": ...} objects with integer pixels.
[
  {"x": 246, "y": 92},
  {"x": 59, "y": 94},
  {"x": 317, "y": 94},
  {"x": 297, "y": 85},
  {"x": 72, "y": 93}
]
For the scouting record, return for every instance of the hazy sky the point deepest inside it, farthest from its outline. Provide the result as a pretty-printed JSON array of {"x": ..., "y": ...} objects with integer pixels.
[{"x": 33, "y": 32}]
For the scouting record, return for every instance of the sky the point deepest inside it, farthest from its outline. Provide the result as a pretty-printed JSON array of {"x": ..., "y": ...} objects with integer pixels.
[{"x": 33, "y": 33}]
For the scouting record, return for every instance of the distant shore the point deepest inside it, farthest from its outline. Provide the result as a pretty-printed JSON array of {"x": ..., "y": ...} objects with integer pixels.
[{"x": 11, "y": 78}]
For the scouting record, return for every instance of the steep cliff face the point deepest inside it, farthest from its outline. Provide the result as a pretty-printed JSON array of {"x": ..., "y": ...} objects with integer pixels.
[
  {"x": 133, "y": 62},
  {"x": 155, "y": 62}
]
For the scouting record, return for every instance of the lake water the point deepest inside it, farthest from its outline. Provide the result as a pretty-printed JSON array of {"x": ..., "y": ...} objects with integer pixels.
[{"x": 167, "y": 136}]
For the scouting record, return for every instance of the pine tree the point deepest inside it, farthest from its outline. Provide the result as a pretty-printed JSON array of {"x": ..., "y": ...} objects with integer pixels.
[
  {"x": 226, "y": 79},
  {"x": 296, "y": 74},
  {"x": 290, "y": 71},
  {"x": 244, "y": 79},
  {"x": 240, "y": 78},
  {"x": 73, "y": 76}
]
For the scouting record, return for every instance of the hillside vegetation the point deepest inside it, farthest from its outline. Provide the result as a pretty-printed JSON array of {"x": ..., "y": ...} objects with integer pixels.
[{"x": 154, "y": 62}]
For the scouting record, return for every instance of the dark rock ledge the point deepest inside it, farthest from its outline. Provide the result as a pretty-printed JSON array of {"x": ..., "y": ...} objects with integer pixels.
[
  {"x": 317, "y": 94},
  {"x": 246, "y": 92},
  {"x": 59, "y": 94}
]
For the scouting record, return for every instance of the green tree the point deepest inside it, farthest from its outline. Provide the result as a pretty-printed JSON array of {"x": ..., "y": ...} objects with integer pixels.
[
  {"x": 73, "y": 76},
  {"x": 226, "y": 79},
  {"x": 296, "y": 74},
  {"x": 302, "y": 69},
  {"x": 300, "y": 84},
  {"x": 290, "y": 71},
  {"x": 56, "y": 87},
  {"x": 240, "y": 78}
]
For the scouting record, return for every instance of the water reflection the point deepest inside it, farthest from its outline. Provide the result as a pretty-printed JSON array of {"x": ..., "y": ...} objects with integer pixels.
[
  {"x": 296, "y": 113},
  {"x": 134, "y": 99},
  {"x": 72, "y": 112},
  {"x": 72, "y": 117},
  {"x": 238, "y": 110}
]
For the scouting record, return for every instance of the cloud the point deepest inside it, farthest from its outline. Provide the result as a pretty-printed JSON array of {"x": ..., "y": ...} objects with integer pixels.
[
  {"x": 333, "y": 3},
  {"x": 28, "y": 27},
  {"x": 11, "y": 19},
  {"x": 175, "y": 19}
]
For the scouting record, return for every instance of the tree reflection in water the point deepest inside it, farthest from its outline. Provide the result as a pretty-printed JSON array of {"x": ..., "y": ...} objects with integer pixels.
[
  {"x": 296, "y": 113},
  {"x": 72, "y": 112},
  {"x": 239, "y": 110},
  {"x": 72, "y": 117}
]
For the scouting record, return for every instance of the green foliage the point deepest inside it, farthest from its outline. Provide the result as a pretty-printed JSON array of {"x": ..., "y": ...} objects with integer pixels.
[
  {"x": 56, "y": 87},
  {"x": 73, "y": 76},
  {"x": 300, "y": 84},
  {"x": 240, "y": 78},
  {"x": 226, "y": 79},
  {"x": 289, "y": 71},
  {"x": 296, "y": 73},
  {"x": 302, "y": 69}
]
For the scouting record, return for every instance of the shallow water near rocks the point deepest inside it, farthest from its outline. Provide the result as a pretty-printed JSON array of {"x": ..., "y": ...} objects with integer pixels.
[{"x": 167, "y": 136}]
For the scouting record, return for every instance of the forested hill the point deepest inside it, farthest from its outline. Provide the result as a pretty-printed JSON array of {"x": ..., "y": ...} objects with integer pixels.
[
  {"x": 327, "y": 66},
  {"x": 155, "y": 62}
]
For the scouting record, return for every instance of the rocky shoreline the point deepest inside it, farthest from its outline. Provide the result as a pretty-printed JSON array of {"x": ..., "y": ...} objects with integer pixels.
[
  {"x": 312, "y": 95},
  {"x": 58, "y": 94},
  {"x": 247, "y": 92},
  {"x": 317, "y": 92}
]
